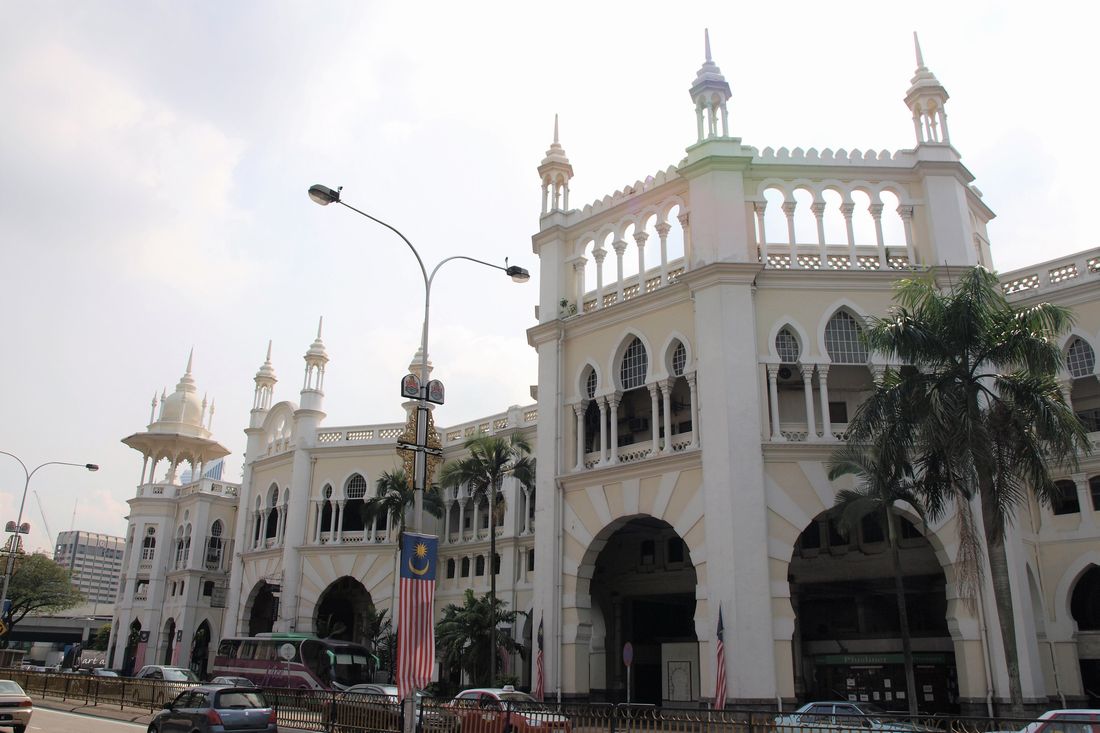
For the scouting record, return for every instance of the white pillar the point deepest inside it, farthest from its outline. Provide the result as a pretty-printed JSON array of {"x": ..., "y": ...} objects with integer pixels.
[
  {"x": 663, "y": 228},
  {"x": 788, "y": 209},
  {"x": 823, "y": 387},
  {"x": 773, "y": 399},
  {"x": 696, "y": 428},
  {"x": 818, "y": 209},
  {"x": 578, "y": 410},
  {"x": 602, "y": 401},
  {"x": 613, "y": 415},
  {"x": 906, "y": 214},
  {"x": 620, "y": 248},
  {"x": 758, "y": 208},
  {"x": 846, "y": 210},
  {"x": 876, "y": 214},
  {"x": 599, "y": 253},
  {"x": 639, "y": 239},
  {"x": 666, "y": 402},
  {"x": 654, "y": 417}
]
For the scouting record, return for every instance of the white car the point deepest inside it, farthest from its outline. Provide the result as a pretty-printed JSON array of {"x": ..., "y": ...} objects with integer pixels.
[
  {"x": 15, "y": 706},
  {"x": 841, "y": 715},
  {"x": 1080, "y": 720}
]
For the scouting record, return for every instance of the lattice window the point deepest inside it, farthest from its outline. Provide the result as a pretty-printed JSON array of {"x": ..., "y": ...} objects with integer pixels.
[
  {"x": 842, "y": 340},
  {"x": 1028, "y": 282},
  {"x": 786, "y": 345},
  {"x": 867, "y": 262},
  {"x": 634, "y": 366},
  {"x": 356, "y": 488},
  {"x": 679, "y": 359},
  {"x": 531, "y": 416},
  {"x": 779, "y": 262},
  {"x": 390, "y": 433},
  {"x": 327, "y": 491},
  {"x": 590, "y": 384},
  {"x": 1080, "y": 358},
  {"x": 1093, "y": 264},
  {"x": 839, "y": 262},
  {"x": 360, "y": 434},
  {"x": 809, "y": 262},
  {"x": 329, "y": 437},
  {"x": 1061, "y": 274}
]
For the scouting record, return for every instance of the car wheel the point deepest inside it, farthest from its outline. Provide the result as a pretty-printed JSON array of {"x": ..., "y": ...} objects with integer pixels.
[
  {"x": 18, "y": 728},
  {"x": 153, "y": 728}
]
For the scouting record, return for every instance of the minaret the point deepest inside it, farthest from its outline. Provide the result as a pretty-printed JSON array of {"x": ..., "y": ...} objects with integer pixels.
[
  {"x": 926, "y": 99},
  {"x": 265, "y": 388},
  {"x": 313, "y": 386},
  {"x": 710, "y": 93},
  {"x": 555, "y": 172}
]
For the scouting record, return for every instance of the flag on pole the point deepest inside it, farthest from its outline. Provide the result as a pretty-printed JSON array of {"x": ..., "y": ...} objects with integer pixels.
[
  {"x": 415, "y": 627},
  {"x": 540, "y": 682},
  {"x": 720, "y": 676}
]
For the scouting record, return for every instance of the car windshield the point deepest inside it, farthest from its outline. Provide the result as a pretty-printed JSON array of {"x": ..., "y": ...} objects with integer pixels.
[
  {"x": 239, "y": 699},
  {"x": 517, "y": 697},
  {"x": 7, "y": 687},
  {"x": 869, "y": 709},
  {"x": 179, "y": 675}
]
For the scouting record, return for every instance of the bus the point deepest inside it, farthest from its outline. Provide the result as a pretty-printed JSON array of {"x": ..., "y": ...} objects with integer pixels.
[{"x": 317, "y": 664}]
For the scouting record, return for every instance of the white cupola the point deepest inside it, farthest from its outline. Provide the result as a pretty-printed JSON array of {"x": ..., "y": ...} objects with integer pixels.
[
  {"x": 314, "y": 384},
  {"x": 555, "y": 171},
  {"x": 926, "y": 99},
  {"x": 710, "y": 93},
  {"x": 182, "y": 412},
  {"x": 265, "y": 383}
]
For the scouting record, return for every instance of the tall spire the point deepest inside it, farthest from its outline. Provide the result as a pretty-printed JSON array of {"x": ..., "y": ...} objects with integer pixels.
[
  {"x": 316, "y": 358},
  {"x": 710, "y": 93},
  {"x": 926, "y": 98},
  {"x": 190, "y": 359},
  {"x": 265, "y": 383},
  {"x": 555, "y": 172}
]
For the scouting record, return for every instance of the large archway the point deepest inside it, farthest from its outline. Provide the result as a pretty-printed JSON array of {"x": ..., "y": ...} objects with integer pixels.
[
  {"x": 847, "y": 638},
  {"x": 343, "y": 610},
  {"x": 642, "y": 591},
  {"x": 1085, "y": 608},
  {"x": 168, "y": 642},
  {"x": 130, "y": 653},
  {"x": 200, "y": 649},
  {"x": 263, "y": 607}
]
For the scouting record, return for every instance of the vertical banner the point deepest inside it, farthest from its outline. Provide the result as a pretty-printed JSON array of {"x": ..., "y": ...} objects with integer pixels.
[
  {"x": 415, "y": 627},
  {"x": 540, "y": 680},
  {"x": 720, "y": 676}
]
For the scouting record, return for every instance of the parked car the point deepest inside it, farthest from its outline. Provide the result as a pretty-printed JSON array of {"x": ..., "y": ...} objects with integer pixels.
[
  {"x": 376, "y": 706},
  {"x": 100, "y": 672},
  {"x": 233, "y": 681},
  {"x": 1066, "y": 721},
  {"x": 504, "y": 710},
  {"x": 216, "y": 708},
  {"x": 173, "y": 681},
  {"x": 845, "y": 716},
  {"x": 15, "y": 706}
]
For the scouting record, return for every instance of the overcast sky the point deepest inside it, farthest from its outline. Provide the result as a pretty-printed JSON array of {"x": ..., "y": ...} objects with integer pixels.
[{"x": 155, "y": 156}]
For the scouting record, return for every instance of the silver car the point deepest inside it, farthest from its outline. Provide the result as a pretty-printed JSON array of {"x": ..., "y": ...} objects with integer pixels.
[
  {"x": 846, "y": 716},
  {"x": 215, "y": 709}
]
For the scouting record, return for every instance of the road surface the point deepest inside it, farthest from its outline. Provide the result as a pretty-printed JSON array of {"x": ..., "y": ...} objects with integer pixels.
[{"x": 56, "y": 721}]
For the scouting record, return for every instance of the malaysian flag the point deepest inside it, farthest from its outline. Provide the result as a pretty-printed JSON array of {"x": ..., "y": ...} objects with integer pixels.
[
  {"x": 415, "y": 627},
  {"x": 540, "y": 682},
  {"x": 720, "y": 677}
]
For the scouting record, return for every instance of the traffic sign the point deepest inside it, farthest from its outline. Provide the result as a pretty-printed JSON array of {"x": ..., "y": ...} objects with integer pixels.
[{"x": 628, "y": 654}]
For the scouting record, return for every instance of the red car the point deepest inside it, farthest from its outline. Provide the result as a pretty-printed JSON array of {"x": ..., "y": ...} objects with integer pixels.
[{"x": 502, "y": 709}]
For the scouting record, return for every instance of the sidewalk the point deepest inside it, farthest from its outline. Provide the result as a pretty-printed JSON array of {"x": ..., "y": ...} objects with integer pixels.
[{"x": 141, "y": 716}]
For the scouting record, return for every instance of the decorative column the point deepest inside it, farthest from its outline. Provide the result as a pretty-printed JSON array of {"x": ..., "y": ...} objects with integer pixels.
[
  {"x": 620, "y": 248},
  {"x": 332, "y": 517},
  {"x": 1084, "y": 500},
  {"x": 613, "y": 401},
  {"x": 340, "y": 523},
  {"x": 788, "y": 209},
  {"x": 685, "y": 226},
  {"x": 773, "y": 400},
  {"x": 602, "y": 402},
  {"x": 758, "y": 208},
  {"x": 906, "y": 214},
  {"x": 876, "y": 214},
  {"x": 461, "y": 517},
  {"x": 666, "y": 402},
  {"x": 847, "y": 208},
  {"x": 818, "y": 209},
  {"x": 695, "y": 427},
  {"x": 663, "y": 228},
  {"x": 639, "y": 239},
  {"x": 578, "y": 410},
  {"x": 823, "y": 390},
  {"x": 578, "y": 279},
  {"x": 599, "y": 253},
  {"x": 654, "y": 417},
  {"x": 476, "y": 517},
  {"x": 808, "y": 390}
]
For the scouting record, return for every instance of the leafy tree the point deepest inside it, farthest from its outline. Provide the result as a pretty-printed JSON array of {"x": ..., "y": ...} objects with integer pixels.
[
  {"x": 490, "y": 459},
  {"x": 101, "y": 639},
  {"x": 394, "y": 495},
  {"x": 880, "y": 484},
  {"x": 978, "y": 414},
  {"x": 39, "y": 585},
  {"x": 463, "y": 636}
]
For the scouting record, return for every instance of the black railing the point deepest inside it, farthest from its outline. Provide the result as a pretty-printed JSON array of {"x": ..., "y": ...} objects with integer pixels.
[{"x": 327, "y": 711}]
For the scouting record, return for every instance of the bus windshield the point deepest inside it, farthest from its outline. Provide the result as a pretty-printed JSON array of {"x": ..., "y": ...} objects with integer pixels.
[{"x": 337, "y": 664}]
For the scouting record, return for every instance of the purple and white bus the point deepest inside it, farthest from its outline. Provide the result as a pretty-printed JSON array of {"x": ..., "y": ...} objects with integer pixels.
[{"x": 317, "y": 664}]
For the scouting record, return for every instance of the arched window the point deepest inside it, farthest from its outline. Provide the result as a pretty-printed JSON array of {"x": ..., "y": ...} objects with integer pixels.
[
  {"x": 326, "y": 508},
  {"x": 479, "y": 565},
  {"x": 450, "y": 568},
  {"x": 357, "y": 487},
  {"x": 465, "y": 567},
  {"x": 843, "y": 340},
  {"x": 355, "y": 490},
  {"x": 590, "y": 384},
  {"x": 149, "y": 544},
  {"x": 186, "y": 544},
  {"x": 679, "y": 359},
  {"x": 214, "y": 546},
  {"x": 1080, "y": 358},
  {"x": 635, "y": 364},
  {"x": 271, "y": 528},
  {"x": 1065, "y": 500},
  {"x": 179, "y": 547},
  {"x": 786, "y": 345}
]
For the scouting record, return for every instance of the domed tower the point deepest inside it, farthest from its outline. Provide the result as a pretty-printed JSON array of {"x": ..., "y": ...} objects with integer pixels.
[
  {"x": 710, "y": 93},
  {"x": 313, "y": 387},
  {"x": 265, "y": 389},
  {"x": 555, "y": 171}
]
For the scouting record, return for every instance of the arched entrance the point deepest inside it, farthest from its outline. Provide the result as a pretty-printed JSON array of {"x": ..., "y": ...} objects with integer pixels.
[
  {"x": 264, "y": 609},
  {"x": 129, "y": 655},
  {"x": 642, "y": 591},
  {"x": 847, "y": 638},
  {"x": 200, "y": 650},
  {"x": 1084, "y": 606},
  {"x": 168, "y": 641},
  {"x": 344, "y": 612}
]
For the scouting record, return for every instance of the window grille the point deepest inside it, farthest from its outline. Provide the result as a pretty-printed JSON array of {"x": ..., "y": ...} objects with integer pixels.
[
  {"x": 1080, "y": 358},
  {"x": 356, "y": 488},
  {"x": 590, "y": 384},
  {"x": 327, "y": 491},
  {"x": 273, "y": 498},
  {"x": 679, "y": 360},
  {"x": 842, "y": 340},
  {"x": 786, "y": 345},
  {"x": 634, "y": 366}
]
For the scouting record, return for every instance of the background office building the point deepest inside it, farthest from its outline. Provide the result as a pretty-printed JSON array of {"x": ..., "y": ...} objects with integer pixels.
[{"x": 95, "y": 561}]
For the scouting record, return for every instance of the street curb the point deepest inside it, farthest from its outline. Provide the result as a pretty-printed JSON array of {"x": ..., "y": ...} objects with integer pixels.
[{"x": 131, "y": 715}]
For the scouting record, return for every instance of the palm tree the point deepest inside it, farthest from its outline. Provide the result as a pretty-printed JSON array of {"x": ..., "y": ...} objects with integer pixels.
[
  {"x": 882, "y": 481},
  {"x": 483, "y": 470},
  {"x": 394, "y": 496},
  {"x": 977, "y": 411},
  {"x": 465, "y": 634}
]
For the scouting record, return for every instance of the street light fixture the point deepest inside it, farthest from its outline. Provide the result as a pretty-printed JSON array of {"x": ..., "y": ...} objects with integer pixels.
[
  {"x": 19, "y": 521},
  {"x": 324, "y": 196}
]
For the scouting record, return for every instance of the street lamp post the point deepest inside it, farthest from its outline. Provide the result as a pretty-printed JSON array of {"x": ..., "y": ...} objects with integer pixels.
[
  {"x": 22, "y": 502},
  {"x": 324, "y": 196}
]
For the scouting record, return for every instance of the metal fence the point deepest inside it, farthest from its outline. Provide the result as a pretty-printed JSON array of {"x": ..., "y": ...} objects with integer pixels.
[{"x": 333, "y": 712}]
